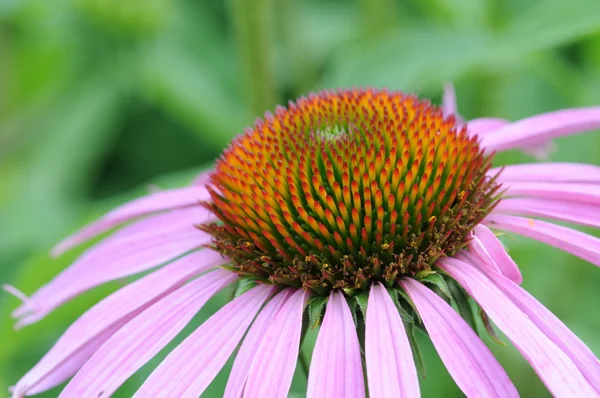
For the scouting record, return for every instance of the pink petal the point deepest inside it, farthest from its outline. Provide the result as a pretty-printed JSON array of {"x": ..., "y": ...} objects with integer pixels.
[
  {"x": 552, "y": 327},
  {"x": 336, "y": 367},
  {"x": 37, "y": 382},
  {"x": 494, "y": 248},
  {"x": 391, "y": 371},
  {"x": 541, "y": 128},
  {"x": 567, "y": 239},
  {"x": 555, "y": 368},
  {"x": 570, "y": 192},
  {"x": 159, "y": 201},
  {"x": 547, "y": 208},
  {"x": 449, "y": 101},
  {"x": 549, "y": 172},
  {"x": 471, "y": 364},
  {"x": 485, "y": 125},
  {"x": 191, "y": 367},
  {"x": 247, "y": 352},
  {"x": 103, "y": 319},
  {"x": 478, "y": 249},
  {"x": 169, "y": 220},
  {"x": 273, "y": 367},
  {"x": 541, "y": 151},
  {"x": 548, "y": 323},
  {"x": 145, "y": 335},
  {"x": 113, "y": 258}
]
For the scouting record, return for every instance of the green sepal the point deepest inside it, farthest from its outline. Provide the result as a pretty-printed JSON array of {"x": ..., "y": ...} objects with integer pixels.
[
  {"x": 316, "y": 309},
  {"x": 462, "y": 302},
  {"x": 229, "y": 267},
  {"x": 353, "y": 304},
  {"x": 243, "y": 285},
  {"x": 437, "y": 280},
  {"x": 490, "y": 328},
  {"x": 422, "y": 274},
  {"x": 416, "y": 350},
  {"x": 362, "y": 299},
  {"x": 405, "y": 315}
]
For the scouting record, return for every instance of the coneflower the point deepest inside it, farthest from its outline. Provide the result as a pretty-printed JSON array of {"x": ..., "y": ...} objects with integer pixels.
[{"x": 366, "y": 213}]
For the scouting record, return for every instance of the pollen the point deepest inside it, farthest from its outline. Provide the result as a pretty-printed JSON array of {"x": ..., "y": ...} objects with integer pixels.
[{"x": 343, "y": 188}]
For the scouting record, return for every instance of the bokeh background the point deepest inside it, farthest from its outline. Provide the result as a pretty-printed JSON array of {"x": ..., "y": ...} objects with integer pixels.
[{"x": 102, "y": 99}]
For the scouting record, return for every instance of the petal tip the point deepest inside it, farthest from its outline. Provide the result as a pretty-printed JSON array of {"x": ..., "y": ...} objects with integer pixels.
[{"x": 16, "y": 293}]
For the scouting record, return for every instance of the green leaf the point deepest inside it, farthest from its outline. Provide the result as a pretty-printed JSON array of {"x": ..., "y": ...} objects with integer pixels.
[
  {"x": 416, "y": 349},
  {"x": 242, "y": 286},
  {"x": 550, "y": 24},
  {"x": 490, "y": 328},
  {"x": 189, "y": 90},
  {"x": 438, "y": 281},
  {"x": 69, "y": 141},
  {"x": 424, "y": 56},
  {"x": 408, "y": 300},
  {"x": 396, "y": 294},
  {"x": 463, "y": 304},
  {"x": 362, "y": 299},
  {"x": 316, "y": 307}
]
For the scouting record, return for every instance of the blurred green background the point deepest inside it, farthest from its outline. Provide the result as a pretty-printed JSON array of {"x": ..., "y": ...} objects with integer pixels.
[{"x": 101, "y": 98}]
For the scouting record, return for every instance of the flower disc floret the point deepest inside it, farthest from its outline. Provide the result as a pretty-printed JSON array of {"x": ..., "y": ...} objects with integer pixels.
[{"x": 340, "y": 189}]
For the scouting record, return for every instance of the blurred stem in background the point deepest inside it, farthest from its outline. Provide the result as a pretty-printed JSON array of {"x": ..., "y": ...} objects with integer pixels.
[
  {"x": 252, "y": 23},
  {"x": 301, "y": 66}
]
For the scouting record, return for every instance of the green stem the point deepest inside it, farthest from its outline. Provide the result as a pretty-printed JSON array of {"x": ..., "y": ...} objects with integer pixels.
[
  {"x": 301, "y": 355},
  {"x": 360, "y": 330},
  {"x": 304, "y": 363},
  {"x": 299, "y": 60},
  {"x": 251, "y": 19}
]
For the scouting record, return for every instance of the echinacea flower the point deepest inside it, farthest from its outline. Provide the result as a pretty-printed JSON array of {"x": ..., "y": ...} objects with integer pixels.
[{"x": 365, "y": 213}]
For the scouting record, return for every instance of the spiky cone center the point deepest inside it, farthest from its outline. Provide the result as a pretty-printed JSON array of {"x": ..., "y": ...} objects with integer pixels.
[{"x": 343, "y": 188}]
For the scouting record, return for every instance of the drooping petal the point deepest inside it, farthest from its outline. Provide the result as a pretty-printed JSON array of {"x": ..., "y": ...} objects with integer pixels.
[
  {"x": 469, "y": 361},
  {"x": 549, "y": 172},
  {"x": 145, "y": 335},
  {"x": 485, "y": 125},
  {"x": 478, "y": 248},
  {"x": 336, "y": 367},
  {"x": 158, "y": 201},
  {"x": 555, "y": 209},
  {"x": 273, "y": 367},
  {"x": 391, "y": 371},
  {"x": 567, "y": 239},
  {"x": 542, "y": 128},
  {"x": 569, "y": 192},
  {"x": 554, "y": 367},
  {"x": 191, "y": 367},
  {"x": 246, "y": 353},
  {"x": 449, "y": 106},
  {"x": 494, "y": 248},
  {"x": 163, "y": 238},
  {"x": 578, "y": 352},
  {"x": 95, "y": 326}
]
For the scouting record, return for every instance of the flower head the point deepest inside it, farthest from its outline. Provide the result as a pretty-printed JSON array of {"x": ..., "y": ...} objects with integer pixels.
[
  {"x": 366, "y": 213},
  {"x": 342, "y": 189}
]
